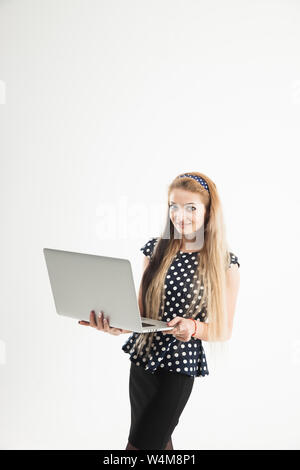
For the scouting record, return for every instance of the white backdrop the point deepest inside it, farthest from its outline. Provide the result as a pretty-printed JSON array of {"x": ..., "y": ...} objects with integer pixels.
[{"x": 103, "y": 103}]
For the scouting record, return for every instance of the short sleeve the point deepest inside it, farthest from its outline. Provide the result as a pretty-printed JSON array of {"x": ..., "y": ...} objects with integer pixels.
[
  {"x": 233, "y": 259},
  {"x": 148, "y": 248}
]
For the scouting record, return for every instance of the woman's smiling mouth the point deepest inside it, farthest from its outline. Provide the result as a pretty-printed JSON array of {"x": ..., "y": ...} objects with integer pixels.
[{"x": 183, "y": 225}]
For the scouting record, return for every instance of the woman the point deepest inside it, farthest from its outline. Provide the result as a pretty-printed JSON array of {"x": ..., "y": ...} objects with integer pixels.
[{"x": 187, "y": 283}]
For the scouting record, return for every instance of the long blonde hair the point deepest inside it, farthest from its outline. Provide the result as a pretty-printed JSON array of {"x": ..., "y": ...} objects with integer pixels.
[{"x": 213, "y": 260}]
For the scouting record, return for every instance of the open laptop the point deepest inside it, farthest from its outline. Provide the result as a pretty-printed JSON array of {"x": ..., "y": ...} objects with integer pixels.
[{"x": 82, "y": 282}]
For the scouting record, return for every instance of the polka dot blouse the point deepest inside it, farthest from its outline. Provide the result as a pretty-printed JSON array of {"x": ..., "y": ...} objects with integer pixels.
[{"x": 167, "y": 352}]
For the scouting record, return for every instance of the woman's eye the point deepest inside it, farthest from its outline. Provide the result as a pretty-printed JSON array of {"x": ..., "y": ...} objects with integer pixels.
[{"x": 172, "y": 206}]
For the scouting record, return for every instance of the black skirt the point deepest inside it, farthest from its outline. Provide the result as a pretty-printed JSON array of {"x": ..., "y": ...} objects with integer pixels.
[{"x": 157, "y": 401}]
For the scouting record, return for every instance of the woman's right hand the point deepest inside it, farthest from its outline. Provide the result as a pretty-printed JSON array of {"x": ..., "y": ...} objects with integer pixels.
[{"x": 101, "y": 323}]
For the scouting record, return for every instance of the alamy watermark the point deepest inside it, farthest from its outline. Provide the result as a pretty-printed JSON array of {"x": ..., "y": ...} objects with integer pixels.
[{"x": 125, "y": 220}]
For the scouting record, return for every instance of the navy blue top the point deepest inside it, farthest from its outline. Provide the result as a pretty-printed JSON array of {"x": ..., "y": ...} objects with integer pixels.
[{"x": 167, "y": 352}]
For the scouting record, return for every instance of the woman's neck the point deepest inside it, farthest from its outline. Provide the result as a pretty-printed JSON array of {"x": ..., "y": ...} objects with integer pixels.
[
  {"x": 188, "y": 245},
  {"x": 192, "y": 242}
]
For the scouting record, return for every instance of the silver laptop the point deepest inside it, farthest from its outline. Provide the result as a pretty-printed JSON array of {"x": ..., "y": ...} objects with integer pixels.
[{"x": 82, "y": 282}]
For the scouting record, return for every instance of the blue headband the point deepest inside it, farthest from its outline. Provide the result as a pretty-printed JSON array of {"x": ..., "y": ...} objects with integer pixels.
[{"x": 197, "y": 178}]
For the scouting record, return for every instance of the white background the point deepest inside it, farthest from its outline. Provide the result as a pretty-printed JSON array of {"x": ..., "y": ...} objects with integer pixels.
[{"x": 103, "y": 103}]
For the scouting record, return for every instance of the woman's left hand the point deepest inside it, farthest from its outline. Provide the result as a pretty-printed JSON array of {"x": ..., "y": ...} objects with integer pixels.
[{"x": 183, "y": 328}]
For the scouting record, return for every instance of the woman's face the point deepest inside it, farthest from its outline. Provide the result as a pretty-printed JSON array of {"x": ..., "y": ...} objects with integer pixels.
[{"x": 186, "y": 211}]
